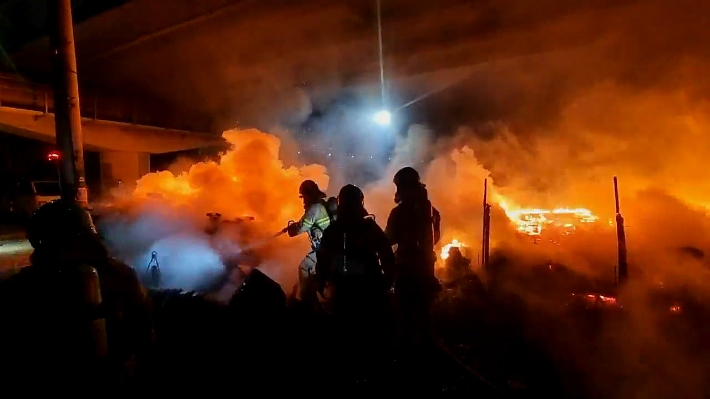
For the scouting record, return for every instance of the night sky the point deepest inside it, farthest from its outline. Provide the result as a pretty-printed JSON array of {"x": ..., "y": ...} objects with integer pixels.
[{"x": 217, "y": 64}]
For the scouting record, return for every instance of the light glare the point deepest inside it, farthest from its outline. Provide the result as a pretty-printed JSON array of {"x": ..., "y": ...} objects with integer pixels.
[{"x": 383, "y": 118}]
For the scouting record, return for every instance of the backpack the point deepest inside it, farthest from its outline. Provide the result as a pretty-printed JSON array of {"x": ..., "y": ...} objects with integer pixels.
[
  {"x": 331, "y": 206},
  {"x": 359, "y": 264}
]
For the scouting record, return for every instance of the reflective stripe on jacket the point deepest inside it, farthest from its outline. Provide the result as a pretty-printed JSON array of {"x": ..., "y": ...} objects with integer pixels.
[{"x": 314, "y": 222}]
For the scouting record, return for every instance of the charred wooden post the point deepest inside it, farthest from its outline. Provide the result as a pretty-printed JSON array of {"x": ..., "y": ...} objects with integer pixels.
[
  {"x": 622, "y": 271},
  {"x": 485, "y": 247}
]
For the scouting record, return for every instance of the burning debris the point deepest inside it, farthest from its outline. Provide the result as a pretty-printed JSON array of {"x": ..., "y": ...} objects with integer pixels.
[
  {"x": 453, "y": 244},
  {"x": 595, "y": 300},
  {"x": 533, "y": 221}
]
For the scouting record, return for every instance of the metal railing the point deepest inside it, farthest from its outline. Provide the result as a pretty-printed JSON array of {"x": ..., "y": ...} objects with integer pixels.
[{"x": 17, "y": 92}]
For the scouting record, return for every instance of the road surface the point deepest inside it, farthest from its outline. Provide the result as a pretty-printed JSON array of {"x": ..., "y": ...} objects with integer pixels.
[{"x": 14, "y": 251}]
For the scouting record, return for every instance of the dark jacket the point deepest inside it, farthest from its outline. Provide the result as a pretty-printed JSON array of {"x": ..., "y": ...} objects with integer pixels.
[
  {"x": 413, "y": 227},
  {"x": 354, "y": 249},
  {"x": 33, "y": 317}
]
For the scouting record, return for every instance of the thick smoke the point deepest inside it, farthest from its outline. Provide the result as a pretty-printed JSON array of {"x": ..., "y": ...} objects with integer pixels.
[
  {"x": 249, "y": 182},
  {"x": 562, "y": 99},
  {"x": 555, "y": 128}
]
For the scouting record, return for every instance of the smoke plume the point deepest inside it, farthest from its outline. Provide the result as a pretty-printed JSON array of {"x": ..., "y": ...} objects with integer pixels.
[
  {"x": 249, "y": 182},
  {"x": 561, "y": 98}
]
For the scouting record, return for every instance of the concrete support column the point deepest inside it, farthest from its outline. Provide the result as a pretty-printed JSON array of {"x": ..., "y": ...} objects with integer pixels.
[{"x": 126, "y": 167}]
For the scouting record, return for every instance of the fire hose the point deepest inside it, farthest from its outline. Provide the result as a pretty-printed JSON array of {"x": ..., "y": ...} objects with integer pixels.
[{"x": 285, "y": 229}]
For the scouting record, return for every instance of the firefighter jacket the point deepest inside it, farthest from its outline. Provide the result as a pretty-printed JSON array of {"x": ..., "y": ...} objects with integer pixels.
[
  {"x": 413, "y": 225},
  {"x": 314, "y": 222},
  {"x": 355, "y": 250}
]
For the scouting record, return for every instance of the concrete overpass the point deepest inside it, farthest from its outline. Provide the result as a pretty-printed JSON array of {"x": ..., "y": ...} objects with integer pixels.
[
  {"x": 26, "y": 109},
  {"x": 237, "y": 60}
]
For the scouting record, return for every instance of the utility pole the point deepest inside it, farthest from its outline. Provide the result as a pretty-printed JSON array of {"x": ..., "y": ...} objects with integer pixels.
[
  {"x": 485, "y": 247},
  {"x": 622, "y": 271},
  {"x": 67, "y": 113}
]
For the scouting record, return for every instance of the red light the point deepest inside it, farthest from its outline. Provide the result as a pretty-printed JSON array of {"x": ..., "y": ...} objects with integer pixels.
[{"x": 53, "y": 156}]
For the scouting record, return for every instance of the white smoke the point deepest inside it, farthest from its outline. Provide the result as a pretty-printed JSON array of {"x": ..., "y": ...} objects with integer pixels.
[
  {"x": 187, "y": 261},
  {"x": 184, "y": 254}
]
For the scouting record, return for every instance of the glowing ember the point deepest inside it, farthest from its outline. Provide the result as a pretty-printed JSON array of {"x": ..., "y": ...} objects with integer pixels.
[
  {"x": 676, "y": 309},
  {"x": 597, "y": 299},
  {"x": 447, "y": 247}
]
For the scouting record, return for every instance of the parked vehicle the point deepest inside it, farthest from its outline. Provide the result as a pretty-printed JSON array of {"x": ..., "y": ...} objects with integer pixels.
[{"x": 30, "y": 195}]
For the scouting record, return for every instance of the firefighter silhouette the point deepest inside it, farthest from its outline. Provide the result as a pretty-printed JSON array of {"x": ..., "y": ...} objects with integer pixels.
[
  {"x": 313, "y": 222},
  {"x": 76, "y": 317},
  {"x": 413, "y": 225}
]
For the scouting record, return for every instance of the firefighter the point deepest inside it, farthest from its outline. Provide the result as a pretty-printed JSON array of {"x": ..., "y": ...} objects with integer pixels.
[
  {"x": 313, "y": 222},
  {"x": 73, "y": 302},
  {"x": 413, "y": 225},
  {"x": 356, "y": 259},
  {"x": 355, "y": 256}
]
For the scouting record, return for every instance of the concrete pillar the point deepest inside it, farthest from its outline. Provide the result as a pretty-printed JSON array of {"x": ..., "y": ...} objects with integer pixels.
[{"x": 125, "y": 166}]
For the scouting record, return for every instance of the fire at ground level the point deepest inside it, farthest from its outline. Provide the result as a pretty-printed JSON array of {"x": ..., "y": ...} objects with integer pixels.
[
  {"x": 548, "y": 329},
  {"x": 526, "y": 329}
]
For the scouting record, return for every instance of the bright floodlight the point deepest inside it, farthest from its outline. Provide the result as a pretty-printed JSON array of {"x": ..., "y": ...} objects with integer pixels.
[{"x": 383, "y": 117}]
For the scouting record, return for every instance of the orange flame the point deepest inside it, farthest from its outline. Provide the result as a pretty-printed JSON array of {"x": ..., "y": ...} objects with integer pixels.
[
  {"x": 445, "y": 250},
  {"x": 533, "y": 221}
]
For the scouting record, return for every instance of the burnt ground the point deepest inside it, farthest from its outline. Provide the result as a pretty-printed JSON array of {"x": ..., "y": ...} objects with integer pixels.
[
  {"x": 552, "y": 344},
  {"x": 290, "y": 352},
  {"x": 513, "y": 341}
]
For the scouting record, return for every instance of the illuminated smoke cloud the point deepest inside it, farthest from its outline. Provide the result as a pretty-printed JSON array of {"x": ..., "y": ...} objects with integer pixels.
[
  {"x": 249, "y": 180},
  {"x": 549, "y": 130},
  {"x": 186, "y": 261}
]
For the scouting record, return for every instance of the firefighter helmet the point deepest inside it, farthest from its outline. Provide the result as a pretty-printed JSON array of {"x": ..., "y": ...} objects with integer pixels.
[
  {"x": 406, "y": 176},
  {"x": 58, "y": 222},
  {"x": 310, "y": 189},
  {"x": 350, "y": 195}
]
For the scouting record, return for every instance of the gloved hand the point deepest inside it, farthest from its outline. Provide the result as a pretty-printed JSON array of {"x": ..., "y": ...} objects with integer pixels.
[{"x": 292, "y": 229}]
